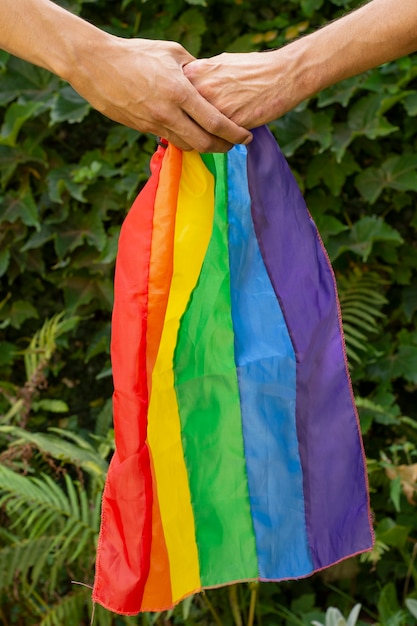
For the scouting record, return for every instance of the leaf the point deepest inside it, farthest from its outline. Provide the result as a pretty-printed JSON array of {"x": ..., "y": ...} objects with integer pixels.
[
  {"x": 297, "y": 127},
  {"x": 364, "y": 119},
  {"x": 400, "y": 364},
  {"x": 310, "y": 6},
  {"x": 58, "y": 448},
  {"x": 244, "y": 43},
  {"x": 27, "y": 82},
  {"x": 16, "y": 116},
  {"x": 410, "y": 104},
  {"x": 363, "y": 235},
  {"x": 188, "y": 30},
  {"x": 4, "y": 260},
  {"x": 325, "y": 168},
  {"x": 86, "y": 227},
  {"x": 406, "y": 476},
  {"x": 411, "y": 605},
  {"x": 69, "y": 106},
  {"x": 60, "y": 180},
  {"x": 81, "y": 290},
  {"x": 7, "y": 353},
  {"x": 20, "y": 311},
  {"x": 51, "y": 405},
  {"x": 295, "y": 30},
  {"x": 409, "y": 299},
  {"x": 388, "y": 603},
  {"x": 341, "y": 93},
  {"x": 21, "y": 205},
  {"x": 398, "y": 172},
  {"x": 353, "y": 615}
]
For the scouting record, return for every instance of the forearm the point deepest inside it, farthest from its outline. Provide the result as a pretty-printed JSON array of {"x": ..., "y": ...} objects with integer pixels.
[
  {"x": 136, "y": 82},
  {"x": 378, "y": 32},
  {"x": 43, "y": 33}
]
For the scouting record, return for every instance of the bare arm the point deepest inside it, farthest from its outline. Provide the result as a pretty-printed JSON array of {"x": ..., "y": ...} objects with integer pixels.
[
  {"x": 137, "y": 82},
  {"x": 255, "y": 88}
]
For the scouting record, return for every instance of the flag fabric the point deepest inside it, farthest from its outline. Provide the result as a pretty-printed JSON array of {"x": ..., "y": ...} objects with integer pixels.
[{"x": 238, "y": 449}]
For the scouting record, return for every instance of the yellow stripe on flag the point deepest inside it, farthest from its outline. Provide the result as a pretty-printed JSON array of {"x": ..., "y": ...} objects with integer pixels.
[{"x": 193, "y": 226}]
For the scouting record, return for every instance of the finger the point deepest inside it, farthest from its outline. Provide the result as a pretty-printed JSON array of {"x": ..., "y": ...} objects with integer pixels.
[
  {"x": 213, "y": 121},
  {"x": 186, "y": 134},
  {"x": 175, "y": 139}
]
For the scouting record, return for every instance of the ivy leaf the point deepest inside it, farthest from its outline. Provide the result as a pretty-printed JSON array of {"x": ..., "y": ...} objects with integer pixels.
[
  {"x": 7, "y": 352},
  {"x": 397, "y": 172},
  {"x": 364, "y": 119},
  {"x": 20, "y": 311},
  {"x": 329, "y": 226},
  {"x": 4, "y": 260},
  {"x": 80, "y": 228},
  {"x": 244, "y": 43},
  {"x": 297, "y": 127},
  {"x": 80, "y": 291},
  {"x": 69, "y": 106},
  {"x": 21, "y": 205},
  {"x": 410, "y": 104},
  {"x": 309, "y": 6},
  {"x": 27, "y": 82},
  {"x": 60, "y": 180},
  {"x": 325, "y": 168},
  {"x": 16, "y": 116},
  {"x": 362, "y": 236},
  {"x": 401, "y": 364},
  {"x": 409, "y": 302},
  {"x": 341, "y": 93},
  {"x": 39, "y": 238},
  {"x": 11, "y": 157},
  {"x": 188, "y": 30},
  {"x": 392, "y": 534}
]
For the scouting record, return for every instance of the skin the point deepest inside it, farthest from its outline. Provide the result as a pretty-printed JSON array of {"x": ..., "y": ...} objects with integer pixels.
[
  {"x": 137, "y": 82},
  {"x": 255, "y": 88}
]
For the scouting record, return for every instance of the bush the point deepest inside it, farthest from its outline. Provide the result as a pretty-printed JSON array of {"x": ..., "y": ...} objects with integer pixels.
[{"x": 68, "y": 177}]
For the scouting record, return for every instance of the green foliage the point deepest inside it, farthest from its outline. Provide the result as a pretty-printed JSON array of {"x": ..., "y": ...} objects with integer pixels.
[
  {"x": 335, "y": 618},
  {"x": 67, "y": 179}
]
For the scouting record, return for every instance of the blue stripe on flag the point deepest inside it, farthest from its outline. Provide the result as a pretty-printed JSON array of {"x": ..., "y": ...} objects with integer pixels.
[{"x": 264, "y": 354}]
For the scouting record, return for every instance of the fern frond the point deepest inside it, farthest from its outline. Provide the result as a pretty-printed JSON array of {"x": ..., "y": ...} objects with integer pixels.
[
  {"x": 18, "y": 559},
  {"x": 43, "y": 342},
  {"x": 85, "y": 457},
  {"x": 39, "y": 503},
  {"x": 71, "y": 609},
  {"x": 361, "y": 296}
]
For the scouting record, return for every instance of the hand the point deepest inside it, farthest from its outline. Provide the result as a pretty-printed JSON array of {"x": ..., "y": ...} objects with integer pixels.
[
  {"x": 140, "y": 83},
  {"x": 249, "y": 88}
]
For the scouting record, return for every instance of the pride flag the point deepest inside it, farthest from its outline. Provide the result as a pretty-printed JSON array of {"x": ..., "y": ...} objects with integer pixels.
[{"x": 238, "y": 451}]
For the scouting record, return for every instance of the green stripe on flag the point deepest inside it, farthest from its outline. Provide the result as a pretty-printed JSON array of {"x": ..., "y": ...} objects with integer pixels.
[{"x": 208, "y": 399}]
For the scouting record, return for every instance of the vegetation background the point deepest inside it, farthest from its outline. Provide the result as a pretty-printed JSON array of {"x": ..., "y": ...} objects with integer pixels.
[{"x": 67, "y": 179}]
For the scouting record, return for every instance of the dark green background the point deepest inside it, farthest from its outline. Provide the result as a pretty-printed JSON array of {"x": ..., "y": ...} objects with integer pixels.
[{"x": 67, "y": 179}]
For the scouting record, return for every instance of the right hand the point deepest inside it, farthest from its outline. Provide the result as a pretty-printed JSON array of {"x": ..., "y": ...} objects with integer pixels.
[{"x": 140, "y": 83}]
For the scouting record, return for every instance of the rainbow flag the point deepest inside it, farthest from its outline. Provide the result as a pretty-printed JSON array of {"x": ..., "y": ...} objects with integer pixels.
[{"x": 238, "y": 451}]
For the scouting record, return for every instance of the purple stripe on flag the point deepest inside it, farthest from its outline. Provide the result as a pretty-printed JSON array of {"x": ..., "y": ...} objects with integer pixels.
[{"x": 334, "y": 479}]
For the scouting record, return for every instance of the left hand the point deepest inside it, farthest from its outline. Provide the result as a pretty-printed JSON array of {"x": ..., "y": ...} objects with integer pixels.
[{"x": 251, "y": 88}]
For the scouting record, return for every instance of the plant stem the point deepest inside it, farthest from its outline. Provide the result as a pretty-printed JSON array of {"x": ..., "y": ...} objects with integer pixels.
[
  {"x": 212, "y": 610},
  {"x": 234, "y": 605},
  {"x": 252, "y": 605}
]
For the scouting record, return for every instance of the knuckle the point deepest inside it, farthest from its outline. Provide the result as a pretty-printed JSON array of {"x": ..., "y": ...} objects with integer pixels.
[
  {"x": 213, "y": 125},
  {"x": 159, "y": 115}
]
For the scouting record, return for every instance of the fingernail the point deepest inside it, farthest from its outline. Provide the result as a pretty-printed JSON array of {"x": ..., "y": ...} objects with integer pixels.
[{"x": 248, "y": 140}]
